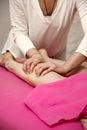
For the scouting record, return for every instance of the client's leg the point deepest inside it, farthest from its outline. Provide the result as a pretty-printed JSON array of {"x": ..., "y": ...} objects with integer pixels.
[{"x": 16, "y": 68}]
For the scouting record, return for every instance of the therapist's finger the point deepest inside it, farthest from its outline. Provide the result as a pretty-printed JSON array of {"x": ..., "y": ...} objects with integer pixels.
[
  {"x": 26, "y": 66},
  {"x": 40, "y": 68}
]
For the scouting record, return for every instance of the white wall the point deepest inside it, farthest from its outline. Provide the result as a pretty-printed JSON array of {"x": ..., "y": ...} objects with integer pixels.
[{"x": 4, "y": 21}]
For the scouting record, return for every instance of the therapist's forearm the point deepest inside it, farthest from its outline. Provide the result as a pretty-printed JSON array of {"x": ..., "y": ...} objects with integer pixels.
[
  {"x": 31, "y": 52},
  {"x": 75, "y": 60},
  {"x": 72, "y": 63}
]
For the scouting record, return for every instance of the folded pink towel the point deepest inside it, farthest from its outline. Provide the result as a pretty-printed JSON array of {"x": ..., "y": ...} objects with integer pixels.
[{"x": 60, "y": 101}]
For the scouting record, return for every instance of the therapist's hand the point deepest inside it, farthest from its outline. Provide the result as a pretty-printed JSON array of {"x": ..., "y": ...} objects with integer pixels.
[
  {"x": 72, "y": 64},
  {"x": 44, "y": 68},
  {"x": 31, "y": 62}
]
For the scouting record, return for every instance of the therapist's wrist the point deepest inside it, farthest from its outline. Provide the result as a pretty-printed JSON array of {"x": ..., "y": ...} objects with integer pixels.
[
  {"x": 31, "y": 52},
  {"x": 74, "y": 62}
]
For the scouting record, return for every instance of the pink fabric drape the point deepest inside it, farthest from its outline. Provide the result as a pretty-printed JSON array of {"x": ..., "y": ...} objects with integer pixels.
[{"x": 60, "y": 101}]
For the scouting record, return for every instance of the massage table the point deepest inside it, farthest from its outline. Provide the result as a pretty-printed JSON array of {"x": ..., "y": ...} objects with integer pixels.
[{"x": 14, "y": 114}]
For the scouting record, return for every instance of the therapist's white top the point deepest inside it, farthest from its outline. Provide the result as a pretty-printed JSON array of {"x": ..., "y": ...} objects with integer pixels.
[{"x": 30, "y": 28}]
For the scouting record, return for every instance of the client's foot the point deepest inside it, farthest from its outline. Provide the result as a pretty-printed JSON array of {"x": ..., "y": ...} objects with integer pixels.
[
  {"x": 84, "y": 123},
  {"x": 1, "y": 62},
  {"x": 6, "y": 58}
]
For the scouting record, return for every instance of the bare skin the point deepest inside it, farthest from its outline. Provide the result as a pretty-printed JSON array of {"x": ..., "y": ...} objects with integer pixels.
[
  {"x": 50, "y": 6},
  {"x": 32, "y": 78},
  {"x": 84, "y": 123}
]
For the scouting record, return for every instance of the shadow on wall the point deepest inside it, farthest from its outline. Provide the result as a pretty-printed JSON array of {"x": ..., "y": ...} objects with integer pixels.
[
  {"x": 4, "y": 22},
  {"x": 74, "y": 38}
]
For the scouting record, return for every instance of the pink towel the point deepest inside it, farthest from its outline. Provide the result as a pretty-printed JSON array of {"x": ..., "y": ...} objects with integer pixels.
[{"x": 60, "y": 101}]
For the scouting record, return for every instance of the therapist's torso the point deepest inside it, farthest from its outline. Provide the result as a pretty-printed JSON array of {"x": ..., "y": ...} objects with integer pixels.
[{"x": 49, "y": 32}]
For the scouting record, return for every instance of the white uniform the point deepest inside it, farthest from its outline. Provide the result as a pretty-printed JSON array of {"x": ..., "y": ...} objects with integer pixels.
[{"x": 30, "y": 28}]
